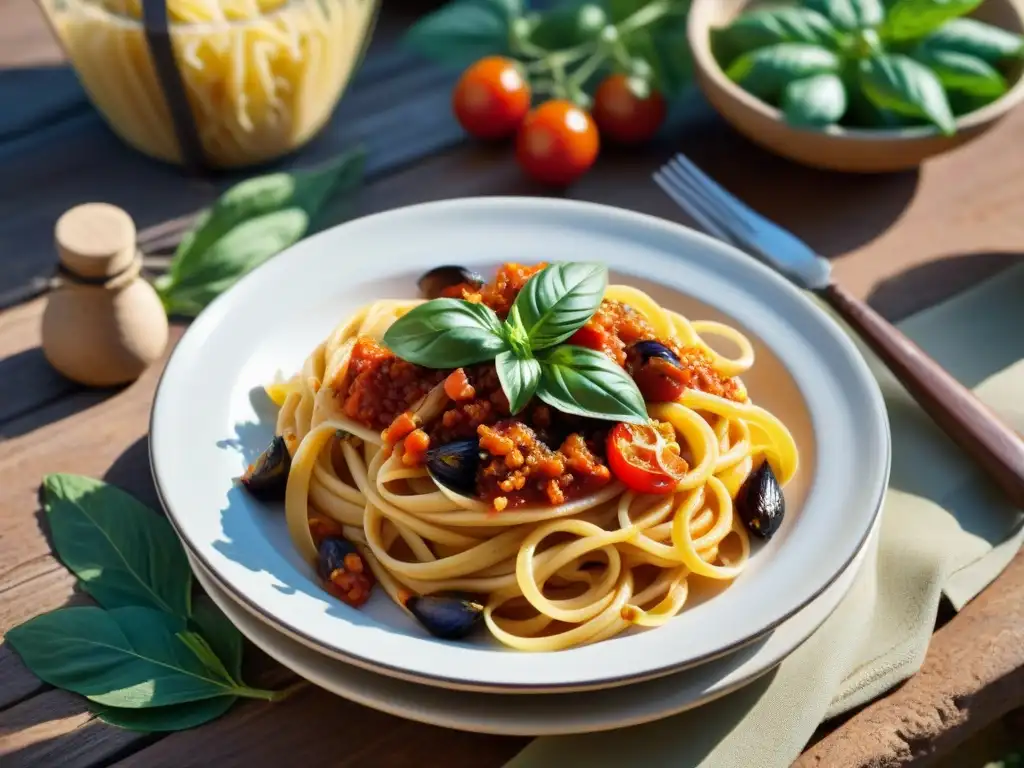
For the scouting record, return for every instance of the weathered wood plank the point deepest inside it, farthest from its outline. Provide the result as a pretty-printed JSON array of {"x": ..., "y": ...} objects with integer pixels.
[
  {"x": 316, "y": 728},
  {"x": 973, "y": 675},
  {"x": 27, "y": 381},
  {"x": 54, "y": 729}
]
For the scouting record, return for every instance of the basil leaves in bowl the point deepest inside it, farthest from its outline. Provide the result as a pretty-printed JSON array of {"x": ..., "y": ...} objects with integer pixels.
[{"x": 860, "y": 85}]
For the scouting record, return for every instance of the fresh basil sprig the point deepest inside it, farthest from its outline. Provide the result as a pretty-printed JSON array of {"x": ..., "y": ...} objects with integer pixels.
[
  {"x": 148, "y": 659},
  {"x": 251, "y": 222},
  {"x": 869, "y": 63},
  {"x": 550, "y": 308}
]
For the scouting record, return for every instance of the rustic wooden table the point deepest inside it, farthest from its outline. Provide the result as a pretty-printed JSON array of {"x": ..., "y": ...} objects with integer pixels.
[{"x": 904, "y": 241}]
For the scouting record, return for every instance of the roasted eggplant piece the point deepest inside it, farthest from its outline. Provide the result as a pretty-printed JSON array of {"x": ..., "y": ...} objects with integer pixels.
[
  {"x": 645, "y": 350},
  {"x": 760, "y": 503},
  {"x": 445, "y": 616},
  {"x": 454, "y": 465},
  {"x": 267, "y": 477},
  {"x": 432, "y": 283},
  {"x": 343, "y": 571}
]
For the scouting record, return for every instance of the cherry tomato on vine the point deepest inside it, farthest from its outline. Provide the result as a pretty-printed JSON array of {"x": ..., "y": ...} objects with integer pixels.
[
  {"x": 491, "y": 98},
  {"x": 645, "y": 457},
  {"x": 557, "y": 142},
  {"x": 624, "y": 116}
]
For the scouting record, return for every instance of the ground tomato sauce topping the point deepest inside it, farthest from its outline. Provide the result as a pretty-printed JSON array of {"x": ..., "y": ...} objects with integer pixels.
[{"x": 540, "y": 456}]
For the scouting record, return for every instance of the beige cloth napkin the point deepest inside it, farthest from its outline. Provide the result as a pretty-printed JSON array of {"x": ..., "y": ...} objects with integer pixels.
[{"x": 944, "y": 530}]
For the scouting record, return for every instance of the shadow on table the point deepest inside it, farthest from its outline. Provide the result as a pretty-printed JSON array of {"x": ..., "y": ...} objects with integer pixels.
[
  {"x": 33, "y": 394},
  {"x": 928, "y": 284}
]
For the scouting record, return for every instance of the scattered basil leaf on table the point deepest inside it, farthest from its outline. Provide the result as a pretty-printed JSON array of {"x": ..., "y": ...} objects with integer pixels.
[
  {"x": 118, "y": 563},
  {"x": 222, "y": 636},
  {"x": 963, "y": 72},
  {"x": 519, "y": 378},
  {"x": 769, "y": 26},
  {"x": 767, "y": 71},
  {"x": 976, "y": 38},
  {"x": 899, "y": 83},
  {"x": 850, "y": 15},
  {"x": 126, "y": 657},
  {"x": 173, "y": 717},
  {"x": 251, "y": 222},
  {"x": 142, "y": 662},
  {"x": 588, "y": 383},
  {"x": 909, "y": 19},
  {"x": 559, "y": 300},
  {"x": 462, "y": 32},
  {"x": 446, "y": 333},
  {"x": 815, "y": 101}
]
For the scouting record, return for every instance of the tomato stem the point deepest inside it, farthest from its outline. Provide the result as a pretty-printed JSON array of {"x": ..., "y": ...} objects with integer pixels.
[{"x": 587, "y": 58}]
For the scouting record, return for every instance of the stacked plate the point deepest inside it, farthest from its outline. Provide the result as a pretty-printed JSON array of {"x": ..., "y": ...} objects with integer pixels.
[{"x": 211, "y": 418}]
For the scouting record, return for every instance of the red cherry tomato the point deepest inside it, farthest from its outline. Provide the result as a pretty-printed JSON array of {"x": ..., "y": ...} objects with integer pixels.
[
  {"x": 645, "y": 457},
  {"x": 622, "y": 115},
  {"x": 659, "y": 381},
  {"x": 491, "y": 98},
  {"x": 589, "y": 337},
  {"x": 557, "y": 142}
]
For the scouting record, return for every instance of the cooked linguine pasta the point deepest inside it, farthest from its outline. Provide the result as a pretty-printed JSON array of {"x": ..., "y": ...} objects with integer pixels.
[{"x": 553, "y": 562}]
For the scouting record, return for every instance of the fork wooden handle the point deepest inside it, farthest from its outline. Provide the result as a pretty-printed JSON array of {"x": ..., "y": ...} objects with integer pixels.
[{"x": 971, "y": 425}]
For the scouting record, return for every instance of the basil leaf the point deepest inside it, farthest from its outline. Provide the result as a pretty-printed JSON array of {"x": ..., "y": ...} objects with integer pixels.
[
  {"x": 252, "y": 221},
  {"x": 173, "y": 717},
  {"x": 126, "y": 657},
  {"x": 899, "y": 83},
  {"x": 446, "y": 333},
  {"x": 814, "y": 101},
  {"x": 964, "y": 103},
  {"x": 461, "y": 32},
  {"x": 770, "y": 26},
  {"x": 122, "y": 552},
  {"x": 558, "y": 301},
  {"x": 963, "y": 72},
  {"x": 849, "y": 15},
  {"x": 909, "y": 19},
  {"x": 765, "y": 72},
  {"x": 519, "y": 378},
  {"x": 202, "y": 650},
  {"x": 976, "y": 38},
  {"x": 223, "y": 637},
  {"x": 588, "y": 383}
]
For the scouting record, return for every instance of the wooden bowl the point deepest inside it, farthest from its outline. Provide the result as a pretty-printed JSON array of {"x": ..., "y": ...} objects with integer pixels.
[{"x": 836, "y": 148}]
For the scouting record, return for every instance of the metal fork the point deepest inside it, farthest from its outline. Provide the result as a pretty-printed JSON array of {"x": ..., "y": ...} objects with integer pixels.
[{"x": 968, "y": 422}]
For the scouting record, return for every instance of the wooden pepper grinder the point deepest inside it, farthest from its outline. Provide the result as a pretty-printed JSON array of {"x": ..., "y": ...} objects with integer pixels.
[{"x": 103, "y": 324}]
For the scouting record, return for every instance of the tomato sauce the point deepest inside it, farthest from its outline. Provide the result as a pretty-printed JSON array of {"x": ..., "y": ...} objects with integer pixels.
[{"x": 541, "y": 456}]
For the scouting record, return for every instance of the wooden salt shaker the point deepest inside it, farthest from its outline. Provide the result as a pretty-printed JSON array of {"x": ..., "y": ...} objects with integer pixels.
[{"x": 103, "y": 324}]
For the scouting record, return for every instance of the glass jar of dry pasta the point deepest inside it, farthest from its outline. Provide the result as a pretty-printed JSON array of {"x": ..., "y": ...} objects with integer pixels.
[{"x": 259, "y": 77}]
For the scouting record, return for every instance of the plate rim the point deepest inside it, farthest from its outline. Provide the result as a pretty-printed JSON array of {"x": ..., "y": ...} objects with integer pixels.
[
  {"x": 866, "y": 555},
  {"x": 534, "y": 206}
]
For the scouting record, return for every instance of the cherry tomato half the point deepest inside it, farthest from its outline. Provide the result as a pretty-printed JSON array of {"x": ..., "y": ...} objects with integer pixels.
[
  {"x": 557, "y": 142},
  {"x": 660, "y": 381},
  {"x": 491, "y": 98},
  {"x": 622, "y": 115},
  {"x": 645, "y": 457}
]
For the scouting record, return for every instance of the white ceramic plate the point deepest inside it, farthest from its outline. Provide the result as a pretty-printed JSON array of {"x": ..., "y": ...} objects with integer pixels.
[
  {"x": 542, "y": 714},
  {"x": 211, "y": 416}
]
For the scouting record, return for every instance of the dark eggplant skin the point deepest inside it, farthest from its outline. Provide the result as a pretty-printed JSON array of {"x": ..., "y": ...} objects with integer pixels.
[
  {"x": 648, "y": 349},
  {"x": 454, "y": 464},
  {"x": 444, "y": 616},
  {"x": 267, "y": 477},
  {"x": 760, "y": 502},
  {"x": 437, "y": 279}
]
